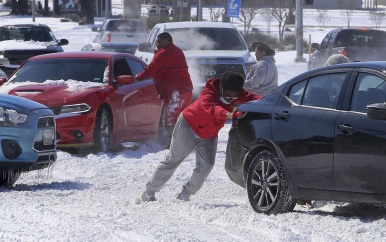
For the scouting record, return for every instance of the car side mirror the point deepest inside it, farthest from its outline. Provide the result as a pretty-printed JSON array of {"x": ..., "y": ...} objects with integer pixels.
[
  {"x": 125, "y": 79},
  {"x": 63, "y": 42},
  {"x": 376, "y": 111},
  {"x": 315, "y": 46},
  {"x": 145, "y": 47},
  {"x": 94, "y": 29}
]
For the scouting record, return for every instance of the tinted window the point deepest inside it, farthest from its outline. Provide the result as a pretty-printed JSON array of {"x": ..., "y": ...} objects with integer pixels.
[
  {"x": 208, "y": 39},
  {"x": 321, "y": 91},
  {"x": 121, "y": 67},
  {"x": 26, "y": 34},
  {"x": 356, "y": 37},
  {"x": 135, "y": 66},
  {"x": 80, "y": 69},
  {"x": 369, "y": 89}
]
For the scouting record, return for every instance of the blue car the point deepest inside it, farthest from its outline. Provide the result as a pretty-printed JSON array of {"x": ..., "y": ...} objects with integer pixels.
[{"x": 27, "y": 137}]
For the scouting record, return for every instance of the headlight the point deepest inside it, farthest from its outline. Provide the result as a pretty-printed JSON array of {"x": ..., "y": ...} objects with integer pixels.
[
  {"x": 9, "y": 118},
  {"x": 248, "y": 66},
  {"x": 75, "y": 108}
]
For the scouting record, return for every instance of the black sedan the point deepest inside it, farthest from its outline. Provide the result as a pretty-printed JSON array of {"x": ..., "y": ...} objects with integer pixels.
[{"x": 319, "y": 136}]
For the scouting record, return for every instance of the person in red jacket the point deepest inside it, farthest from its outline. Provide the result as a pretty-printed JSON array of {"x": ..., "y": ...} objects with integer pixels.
[
  {"x": 197, "y": 128},
  {"x": 169, "y": 71}
]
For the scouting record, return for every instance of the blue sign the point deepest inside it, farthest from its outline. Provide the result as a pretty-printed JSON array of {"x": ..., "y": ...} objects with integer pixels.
[{"x": 233, "y": 8}]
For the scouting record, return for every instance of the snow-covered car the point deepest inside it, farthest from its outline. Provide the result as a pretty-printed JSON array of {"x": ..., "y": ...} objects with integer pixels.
[
  {"x": 18, "y": 42},
  {"x": 122, "y": 47},
  {"x": 27, "y": 137},
  {"x": 121, "y": 30},
  {"x": 318, "y": 136},
  {"x": 93, "y": 96},
  {"x": 210, "y": 49}
]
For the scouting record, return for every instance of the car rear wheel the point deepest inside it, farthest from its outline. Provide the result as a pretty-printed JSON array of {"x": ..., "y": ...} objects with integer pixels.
[
  {"x": 103, "y": 131},
  {"x": 8, "y": 178},
  {"x": 267, "y": 185}
]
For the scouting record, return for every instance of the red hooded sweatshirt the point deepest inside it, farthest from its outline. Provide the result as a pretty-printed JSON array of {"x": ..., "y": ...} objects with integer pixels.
[
  {"x": 206, "y": 116},
  {"x": 168, "y": 69}
]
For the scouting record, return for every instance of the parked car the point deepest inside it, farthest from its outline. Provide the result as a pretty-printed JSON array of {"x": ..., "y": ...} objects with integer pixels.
[
  {"x": 93, "y": 96},
  {"x": 318, "y": 136},
  {"x": 121, "y": 47},
  {"x": 358, "y": 44},
  {"x": 3, "y": 77},
  {"x": 163, "y": 10},
  {"x": 18, "y": 42},
  {"x": 27, "y": 137},
  {"x": 217, "y": 47},
  {"x": 121, "y": 30}
]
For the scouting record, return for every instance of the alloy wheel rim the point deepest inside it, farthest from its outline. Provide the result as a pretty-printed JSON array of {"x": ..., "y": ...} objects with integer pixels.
[
  {"x": 105, "y": 131},
  {"x": 265, "y": 184}
]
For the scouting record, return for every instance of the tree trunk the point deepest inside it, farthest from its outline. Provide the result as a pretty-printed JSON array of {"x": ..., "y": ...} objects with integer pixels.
[{"x": 89, "y": 11}]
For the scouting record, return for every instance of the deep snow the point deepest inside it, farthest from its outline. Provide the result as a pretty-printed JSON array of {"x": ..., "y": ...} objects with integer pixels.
[{"x": 95, "y": 197}]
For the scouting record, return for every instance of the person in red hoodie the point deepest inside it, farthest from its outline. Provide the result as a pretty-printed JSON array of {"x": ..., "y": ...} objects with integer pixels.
[
  {"x": 197, "y": 128},
  {"x": 169, "y": 71}
]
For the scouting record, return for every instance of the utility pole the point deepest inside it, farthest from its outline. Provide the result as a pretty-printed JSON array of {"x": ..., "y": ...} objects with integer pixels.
[
  {"x": 299, "y": 32},
  {"x": 199, "y": 10}
]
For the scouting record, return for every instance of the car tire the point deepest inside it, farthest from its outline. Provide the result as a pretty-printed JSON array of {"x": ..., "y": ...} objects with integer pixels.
[
  {"x": 103, "y": 131},
  {"x": 8, "y": 178},
  {"x": 267, "y": 185}
]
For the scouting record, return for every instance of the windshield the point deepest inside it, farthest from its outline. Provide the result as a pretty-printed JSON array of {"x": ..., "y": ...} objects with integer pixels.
[
  {"x": 131, "y": 26},
  {"x": 208, "y": 39},
  {"x": 80, "y": 69},
  {"x": 26, "y": 34}
]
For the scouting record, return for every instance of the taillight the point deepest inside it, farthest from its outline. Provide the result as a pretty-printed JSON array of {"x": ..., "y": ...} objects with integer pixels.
[
  {"x": 344, "y": 52},
  {"x": 108, "y": 38}
]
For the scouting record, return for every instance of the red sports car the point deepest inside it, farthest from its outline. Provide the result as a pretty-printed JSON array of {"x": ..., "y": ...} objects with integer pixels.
[{"x": 93, "y": 95}]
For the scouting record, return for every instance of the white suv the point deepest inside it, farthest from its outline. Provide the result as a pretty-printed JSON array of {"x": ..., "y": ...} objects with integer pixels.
[{"x": 210, "y": 49}]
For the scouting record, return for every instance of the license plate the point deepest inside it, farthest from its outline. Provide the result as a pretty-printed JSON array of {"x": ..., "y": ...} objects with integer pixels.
[{"x": 47, "y": 137}]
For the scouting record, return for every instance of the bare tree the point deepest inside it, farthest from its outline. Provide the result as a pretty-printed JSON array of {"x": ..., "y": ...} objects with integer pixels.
[
  {"x": 280, "y": 11},
  {"x": 215, "y": 13},
  {"x": 322, "y": 18},
  {"x": 347, "y": 10},
  {"x": 246, "y": 16},
  {"x": 377, "y": 18},
  {"x": 268, "y": 17}
]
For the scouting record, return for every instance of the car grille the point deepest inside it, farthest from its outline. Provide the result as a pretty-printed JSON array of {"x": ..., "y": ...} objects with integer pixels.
[
  {"x": 45, "y": 123},
  {"x": 213, "y": 71},
  {"x": 17, "y": 57}
]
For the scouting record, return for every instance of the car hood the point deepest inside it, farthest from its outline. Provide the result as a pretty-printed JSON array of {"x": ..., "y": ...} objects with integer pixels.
[
  {"x": 52, "y": 93},
  {"x": 19, "y": 104},
  {"x": 26, "y": 45}
]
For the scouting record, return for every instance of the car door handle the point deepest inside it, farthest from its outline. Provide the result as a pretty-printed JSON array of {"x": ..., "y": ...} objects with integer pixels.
[
  {"x": 283, "y": 116},
  {"x": 345, "y": 128}
]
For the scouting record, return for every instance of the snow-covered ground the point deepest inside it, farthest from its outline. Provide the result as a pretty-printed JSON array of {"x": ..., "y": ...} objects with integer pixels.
[{"x": 95, "y": 197}]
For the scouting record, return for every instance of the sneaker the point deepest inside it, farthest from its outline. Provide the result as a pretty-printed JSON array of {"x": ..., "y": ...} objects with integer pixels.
[
  {"x": 182, "y": 198},
  {"x": 147, "y": 198}
]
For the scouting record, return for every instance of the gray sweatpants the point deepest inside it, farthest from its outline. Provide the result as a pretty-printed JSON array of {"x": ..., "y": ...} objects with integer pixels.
[{"x": 184, "y": 140}]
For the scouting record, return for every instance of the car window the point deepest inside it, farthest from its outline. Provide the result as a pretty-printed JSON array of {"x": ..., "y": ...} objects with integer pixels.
[
  {"x": 321, "y": 91},
  {"x": 121, "y": 67},
  {"x": 152, "y": 37},
  {"x": 369, "y": 89},
  {"x": 297, "y": 91},
  {"x": 135, "y": 66},
  {"x": 324, "y": 43}
]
